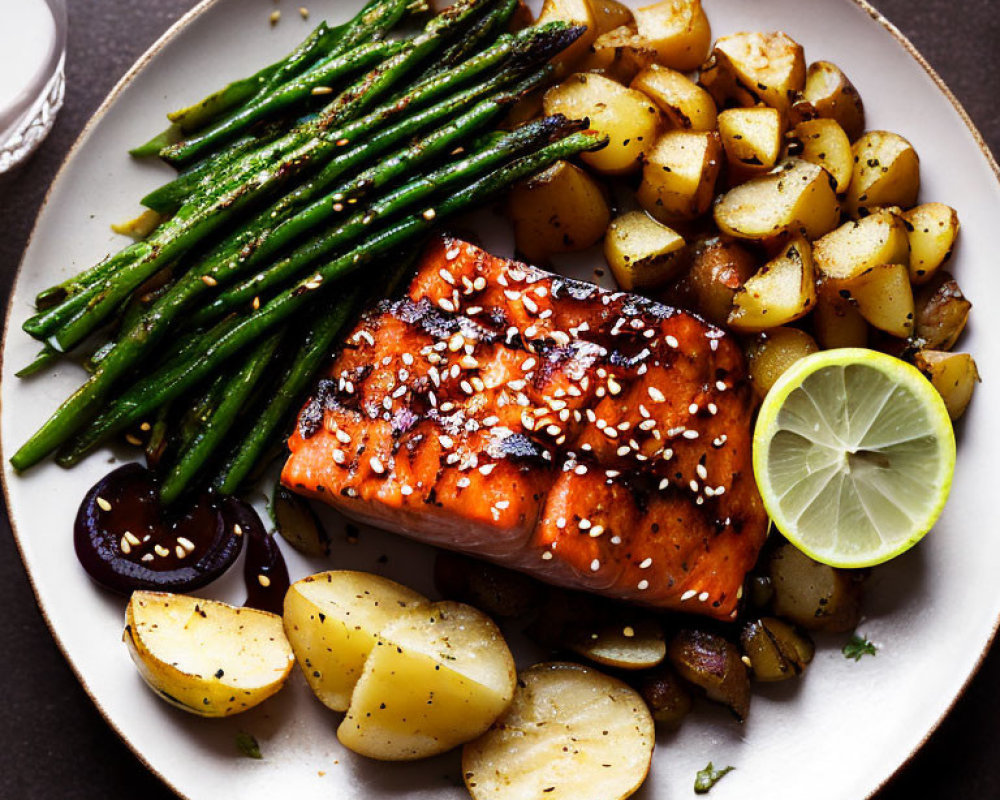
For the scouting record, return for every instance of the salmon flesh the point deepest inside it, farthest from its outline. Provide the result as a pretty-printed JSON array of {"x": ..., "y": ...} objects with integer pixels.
[{"x": 597, "y": 440}]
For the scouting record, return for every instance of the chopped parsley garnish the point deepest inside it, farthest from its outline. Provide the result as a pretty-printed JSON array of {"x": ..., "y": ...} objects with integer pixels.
[
  {"x": 858, "y": 646},
  {"x": 248, "y": 745},
  {"x": 708, "y": 777}
]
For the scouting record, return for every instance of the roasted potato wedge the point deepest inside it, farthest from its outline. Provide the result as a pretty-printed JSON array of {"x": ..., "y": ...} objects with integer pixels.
[
  {"x": 750, "y": 68},
  {"x": 782, "y": 291},
  {"x": 643, "y": 253},
  {"x": 575, "y": 12},
  {"x": 712, "y": 663},
  {"x": 824, "y": 143},
  {"x": 620, "y": 54},
  {"x": 571, "y": 733},
  {"x": 665, "y": 695},
  {"x": 684, "y": 103},
  {"x": 795, "y": 197},
  {"x": 832, "y": 96},
  {"x": 775, "y": 650},
  {"x": 333, "y": 620},
  {"x": 772, "y": 352},
  {"x": 206, "y": 657},
  {"x": 678, "y": 180},
  {"x": 751, "y": 138},
  {"x": 836, "y": 322},
  {"x": 628, "y": 117},
  {"x": 622, "y": 645},
  {"x": 719, "y": 268},
  {"x": 610, "y": 14},
  {"x": 858, "y": 246},
  {"x": 954, "y": 375},
  {"x": 933, "y": 229},
  {"x": 941, "y": 313},
  {"x": 883, "y": 296},
  {"x": 811, "y": 595},
  {"x": 560, "y": 210},
  {"x": 433, "y": 681},
  {"x": 678, "y": 30},
  {"x": 499, "y": 592},
  {"x": 886, "y": 173}
]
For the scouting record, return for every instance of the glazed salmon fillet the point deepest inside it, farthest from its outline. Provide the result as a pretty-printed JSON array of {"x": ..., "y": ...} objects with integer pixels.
[{"x": 596, "y": 440}]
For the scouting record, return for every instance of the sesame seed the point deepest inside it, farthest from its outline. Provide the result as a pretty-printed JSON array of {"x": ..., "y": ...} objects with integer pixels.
[
  {"x": 694, "y": 485},
  {"x": 186, "y": 544},
  {"x": 622, "y": 451},
  {"x": 180, "y": 552},
  {"x": 320, "y": 90},
  {"x": 693, "y": 408},
  {"x": 739, "y": 593},
  {"x": 596, "y": 531},
  {"x": 429, "y": 214},
  {"x": 613, "y": 386},
  {"x": 595, "y": 565},
  {"x": 529, "y": 304},
  {"x": 713, "y": 409},
  {"x": 646, "y": 563},
  {"x": 581, "y": 469},
  {"x": 503, "y": 504},
  {"x": 104, "y": 504},
  {"x": 664, "y": 483},
  {"x": 689, "y": 434},
  {"x": 584, "y": 524},
  {"x": 721, "y": 386},
  {"x": 469, "y": 362},
  {"x": 702, "y": 472},
  {"x": 263, "y": 580},
  {"x": 126, "y": 548},
  {"x": 672, "y": 341},
  {"x": 561, "y": 523},
  {"x": 528, "y": 364},
  {"x": 656, "y": 395},
  {"x": 745, "y": 659},
  {"x": 688, "y": 595},
  {"x": 720, "y": 490},
  {"x": 376, "y": 464},
  {"x": 446, "y": 304},
  {"x": 161, "y": 551},
  {"x": 147, "y": 558},
  {"x": 274, "y": 17},
  {"x": 133, "y": 440},
  {"x": 303, "y": 12},
  {"x": 642, "y": 585},
  {"x": 703, "y": 597},
  {"x": 547, "y": 555},
  {"x": 339, "y": 457},
  {"x": 256, "y": 303}
]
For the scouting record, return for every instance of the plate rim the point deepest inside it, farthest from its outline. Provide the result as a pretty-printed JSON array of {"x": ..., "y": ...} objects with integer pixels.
[{"x": 188, "y": 18}]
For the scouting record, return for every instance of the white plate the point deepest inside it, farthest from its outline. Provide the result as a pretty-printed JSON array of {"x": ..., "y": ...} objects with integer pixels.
[{"x": 839, "y": 733}]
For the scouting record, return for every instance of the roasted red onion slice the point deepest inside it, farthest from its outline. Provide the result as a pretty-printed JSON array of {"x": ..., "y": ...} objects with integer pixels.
[{"x": 125, "y": 541}]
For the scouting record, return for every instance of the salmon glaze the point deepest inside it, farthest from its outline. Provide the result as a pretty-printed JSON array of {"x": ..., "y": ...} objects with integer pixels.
[{"x": 597, "y": 440}]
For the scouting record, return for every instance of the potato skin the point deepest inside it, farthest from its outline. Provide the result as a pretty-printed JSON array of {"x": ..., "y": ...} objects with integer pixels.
[
  {"x": 719, "y": 268},
  {"x": 794, "y": 197},
  {"x": 678, "y": 30},
  {"x": 561, "y": 210},
  {"x": 941, "y": 313},
  {"x": 831, "y": 95},
  {"x": 772, "y": 352},
  {"x": 678, "y": 180},
  {"x": 886, "y": 173},
  {"x": 712, "y": 663},
  {"x": 188, "y": 650},
  {"x": 433, "y": 681},
  {"x": 685, "y": 104},
  {"x": 814, "y": 596},
  {"x": 642, "y": 252},
  {"x": 629, "y": 118},
  {"x": 954, "y": 375}
]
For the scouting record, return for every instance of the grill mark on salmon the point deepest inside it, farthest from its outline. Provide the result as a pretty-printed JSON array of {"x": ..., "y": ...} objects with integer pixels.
[{"x": 597, "y": 440}]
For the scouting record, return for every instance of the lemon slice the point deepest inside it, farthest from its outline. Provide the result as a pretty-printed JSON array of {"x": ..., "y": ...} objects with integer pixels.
[{"x": 854, "y": 455}]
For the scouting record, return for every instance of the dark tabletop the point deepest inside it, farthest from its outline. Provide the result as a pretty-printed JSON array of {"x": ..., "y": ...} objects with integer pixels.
[{"x": 52, "y": 740}]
